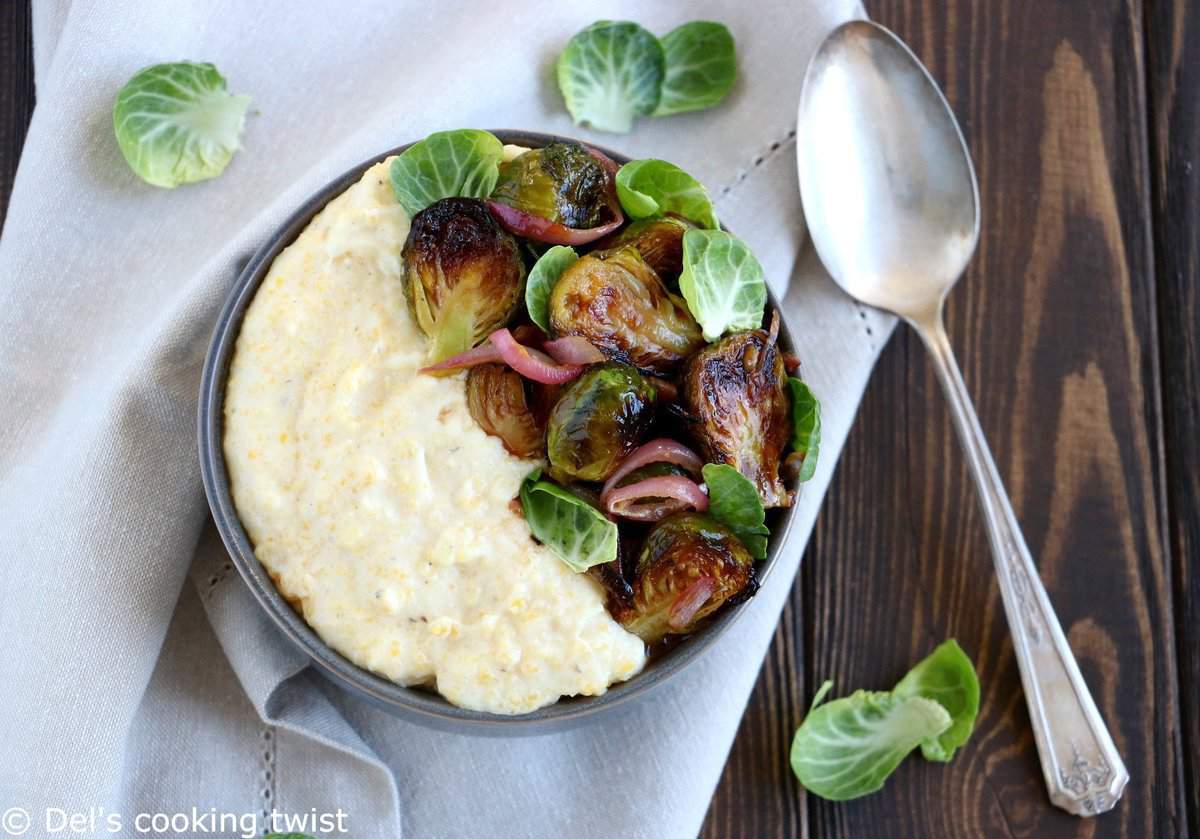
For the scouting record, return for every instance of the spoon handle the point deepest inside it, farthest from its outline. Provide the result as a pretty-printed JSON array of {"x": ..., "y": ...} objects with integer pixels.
[{"x": 1084, "y": 773}]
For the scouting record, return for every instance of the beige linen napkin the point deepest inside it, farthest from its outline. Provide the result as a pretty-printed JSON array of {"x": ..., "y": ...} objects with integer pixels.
[{"x": 131, "y": 692}]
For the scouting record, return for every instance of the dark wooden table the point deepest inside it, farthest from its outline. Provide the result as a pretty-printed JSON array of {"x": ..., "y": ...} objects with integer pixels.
[{"x": 1077, "y": 328}]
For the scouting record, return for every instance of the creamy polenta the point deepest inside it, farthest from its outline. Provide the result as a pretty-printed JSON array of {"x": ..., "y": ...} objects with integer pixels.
[{"x": 376, "y": 502}]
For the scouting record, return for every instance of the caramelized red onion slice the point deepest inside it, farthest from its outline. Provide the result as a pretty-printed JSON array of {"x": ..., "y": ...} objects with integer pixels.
[
  {"x": 521, "y": 223},
  {"x": 573, "y": 349},
  {"x": 483, "y": 354},
  {"x": 530, "y": 363},
  {"x": 690, "y": 602},
  {"x": 660, "y": 450},
  {"x": 659, "y": 497}
]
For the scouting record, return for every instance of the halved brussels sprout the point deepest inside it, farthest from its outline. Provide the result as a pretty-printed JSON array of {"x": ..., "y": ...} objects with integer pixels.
[
  {"x": 659, "y": 241},
  {"x": 497, "y": 400},
  {"x": 599, "y": 419},
  {"x": 561, "y": 182},
  {"x": 689, "y": 566},
  {"x": 734, "y": 390},
  {"x": 463, "y": 274},
  {"x": 618, "y": 303}
]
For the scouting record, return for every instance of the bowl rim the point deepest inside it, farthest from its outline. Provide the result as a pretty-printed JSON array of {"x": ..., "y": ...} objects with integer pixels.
[{"x": 416, "y": 704}]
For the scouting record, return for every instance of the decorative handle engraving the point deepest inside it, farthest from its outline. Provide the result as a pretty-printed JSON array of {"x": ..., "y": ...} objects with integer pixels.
[{"x": 1084, "y": 773}]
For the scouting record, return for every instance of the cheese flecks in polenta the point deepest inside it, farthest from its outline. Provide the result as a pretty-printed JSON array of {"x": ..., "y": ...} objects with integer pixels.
[{"x": 375, "y": 500}]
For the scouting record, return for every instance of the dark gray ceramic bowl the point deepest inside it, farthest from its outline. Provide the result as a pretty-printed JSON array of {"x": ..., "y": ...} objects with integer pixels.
[{"x": 416, "y": 704}]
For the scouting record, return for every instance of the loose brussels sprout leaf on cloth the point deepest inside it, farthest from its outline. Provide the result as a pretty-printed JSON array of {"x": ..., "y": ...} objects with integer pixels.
[
  {"x": 609, "y": 73},
  {"x": 575, "y": 531},
  {"x": 177, "y": 124},
  {"x": 733, "y": 501},
  {"x": 447, "y": 164},
  {"x": 806, "y": 427},
  {"x": 700, "y": 69},
  {"x": 847, "y": 748},
  {"x": 542, "y": 277},
  {"x": 648, "y": 188},
  {"x": 722, "y": 282},
  {"x": 947, "y": 677}
]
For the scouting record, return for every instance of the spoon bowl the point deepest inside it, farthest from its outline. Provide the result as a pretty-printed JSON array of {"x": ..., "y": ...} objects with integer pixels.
[
  {"x": 890, "y": 197},
  {"x": 879, "y": 151}
]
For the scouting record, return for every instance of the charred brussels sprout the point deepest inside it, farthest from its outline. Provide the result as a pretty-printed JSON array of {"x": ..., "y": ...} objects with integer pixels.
[
  {"x": 497, "y": 400},
  {"x": 734, "y": 390},
  {"x": 658, "y": 240},
  {"x": 463, "y": 274},
  {"x": 561, "y": 182},
  {"x": 690, "y": 565},
  {"x": 599, "y": 419},
  {"x": 619, "y": 304}
]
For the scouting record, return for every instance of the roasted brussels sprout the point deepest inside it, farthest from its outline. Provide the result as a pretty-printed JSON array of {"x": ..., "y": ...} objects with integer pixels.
[
  {"x": 561, "y": 182},
  {"x": 734, "y": 392},
  {"x": 658, "y": 240},
  {"x": 599, "y": 419},
  {"x": 463, "y": 274},
  {"x": 690, "y": 565},
  {"x": 497, "y": 399},
  {"x": 619, "y": 304}
]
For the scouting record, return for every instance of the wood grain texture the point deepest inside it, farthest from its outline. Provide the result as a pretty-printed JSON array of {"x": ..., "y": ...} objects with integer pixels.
[
  {"x": 1173, "y": 61},
  {"x": 1055, "y": 327},
  {"x": 16, "y": 91}
]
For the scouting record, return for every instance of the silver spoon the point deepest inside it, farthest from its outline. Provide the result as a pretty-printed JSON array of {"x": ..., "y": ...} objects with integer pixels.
[{"x": 892, "y": 205}]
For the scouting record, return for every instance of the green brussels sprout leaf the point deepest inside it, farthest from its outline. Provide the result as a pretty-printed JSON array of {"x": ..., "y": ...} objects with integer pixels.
[
  {"x": 806, "y": 427},
  {"x": 948, "y": 677},
  {"x": 575, "y": 531},
  {"x": 700, "y": 69},
  {"x": 722, "y": 283},
  {"x": 648, "y": 188},
  {"x": 447, "y": 164},
  {"x": 733, "y": 501},
  {"x": 847, "y": 748},
  {"x": 609, "y": 73},
  {"x": 542, "y": 277},
  {"x": 177, "y": 124}
]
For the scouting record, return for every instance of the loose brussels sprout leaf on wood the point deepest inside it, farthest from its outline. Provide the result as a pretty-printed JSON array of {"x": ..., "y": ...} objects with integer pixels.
[
  {"x": 463, "y": 274},
  {"x": 576, "y": 532},
  {"x": 947, "y": 677},
  {"x": 609, "y": 73},
  {"x": 446, "y": 164},
  {"x": 722, "y": 282},
  {"x": 648, "y": 188},
  {"x": 617, "y": 302},
  {"x": 806, "y": 427},
  {"x": 734, "y": 501},
  {"x": 598, "y": 420},
  {"x": 176, "y": 123},
  {"x": 689, "y": 566},
  {"x": 701, "y": 67},
  {"x": 542, "y": 277},
  {"x": 847, "y": 748}
]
